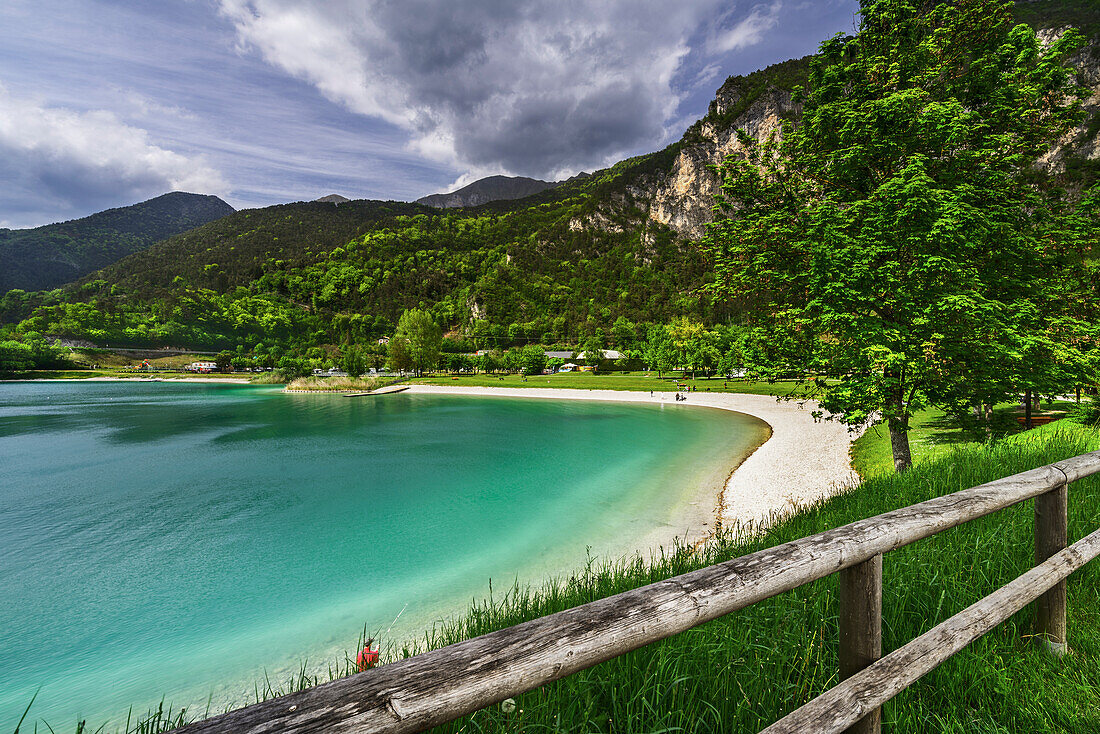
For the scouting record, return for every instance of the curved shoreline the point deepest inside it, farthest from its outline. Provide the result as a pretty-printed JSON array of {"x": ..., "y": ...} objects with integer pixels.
[{"x": 801, "y": 462}]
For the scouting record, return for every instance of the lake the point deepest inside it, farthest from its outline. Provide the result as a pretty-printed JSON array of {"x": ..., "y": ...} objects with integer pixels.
[{"x": 182, "y": 541}]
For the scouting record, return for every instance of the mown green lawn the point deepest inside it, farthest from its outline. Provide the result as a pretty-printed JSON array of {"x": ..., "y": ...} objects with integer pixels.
[{"x": 933, "y": 433}]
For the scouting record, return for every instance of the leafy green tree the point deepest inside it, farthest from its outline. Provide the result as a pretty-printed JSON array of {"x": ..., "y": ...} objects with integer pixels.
[
  {"x": 732, "y": 362},
  {"x": 461, "y": 363},
  {"x": 398, "y": 356},
  {"x": 532, "y": 359},
  {"x": 488, "y": 363},
  {"x": 592, "y": 351},
  {"x": 224, "y": 360},
  {"x": 890, "y": 238},
  {"x": 353, "y": 362},
  {"x": 657, "y": 350},
  {"x": 623, "y": 332},
  {"x": 15, "y": 357},
  {"x": 512, "y": 361},
  {"x": 290, "y": 368},
  {"x": 690, "y": 344},
  {"x": 419, "y": 337}
]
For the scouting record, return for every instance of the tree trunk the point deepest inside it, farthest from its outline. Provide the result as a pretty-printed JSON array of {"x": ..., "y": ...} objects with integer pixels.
[
  {"x": 899, "y": 442},
  {"x": 1027, "y": 409},
  {"x": 898, "y": 421}
]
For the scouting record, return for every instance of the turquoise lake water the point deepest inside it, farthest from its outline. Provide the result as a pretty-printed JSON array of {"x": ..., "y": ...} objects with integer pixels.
[{"x": 182, "y": 541}]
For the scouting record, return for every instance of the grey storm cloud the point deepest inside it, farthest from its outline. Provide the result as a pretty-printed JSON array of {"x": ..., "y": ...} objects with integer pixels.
[{"x": 532, "y": 88}]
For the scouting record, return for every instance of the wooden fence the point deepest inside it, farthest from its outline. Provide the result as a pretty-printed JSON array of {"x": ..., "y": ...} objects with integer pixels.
[{"x": 438, "y": 686}]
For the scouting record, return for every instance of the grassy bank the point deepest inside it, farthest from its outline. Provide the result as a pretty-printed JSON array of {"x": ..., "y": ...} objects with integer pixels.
[
  {"x": 933, "y": 433},
  {"x": 748, "y": 669},
  {"x": 339, "y": 384}
]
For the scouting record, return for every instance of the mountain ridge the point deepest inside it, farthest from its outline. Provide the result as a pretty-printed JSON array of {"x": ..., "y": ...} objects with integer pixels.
[
  {"x": 51, "y": 255},
  {"x": 485, "y": 190},
  {"x": 558, "y": 265}
]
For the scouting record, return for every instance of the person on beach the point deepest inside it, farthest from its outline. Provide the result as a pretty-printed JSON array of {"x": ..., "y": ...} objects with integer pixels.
[{"x": 367, "y": 657}]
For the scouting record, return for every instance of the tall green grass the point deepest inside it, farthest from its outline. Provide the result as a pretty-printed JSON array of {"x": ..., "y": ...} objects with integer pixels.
[{"x": 748, "y": 669}]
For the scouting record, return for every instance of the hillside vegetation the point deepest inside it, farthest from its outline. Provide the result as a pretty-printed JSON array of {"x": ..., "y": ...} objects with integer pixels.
[
  {"x": 48, "y": 256},
  {"x": 314, "y": 273},
  {"x": 556, "y": 267}
]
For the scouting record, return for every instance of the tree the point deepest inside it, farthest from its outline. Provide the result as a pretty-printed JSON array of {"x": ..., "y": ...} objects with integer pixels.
[
  {"x": 690, "y": 344},
  {"x": 15, "y": 357},
  {"x": 488, "y": 362},
  {"x": 224, "y": 360},
  {"x": 532, "y": 359},
  {"x": 658, "y": 351},
  {"x": 892, "y": 237},
  {"x": 353, "y": 362},
  {"x": 512, "y": 361},
  {"x": 290, "y": 368},
  {"x": 592, "y": 351},
  {"x": 622, "y": 331},
  {"x": 398, "y": 356},
  {"x": 419, "y": 338}
]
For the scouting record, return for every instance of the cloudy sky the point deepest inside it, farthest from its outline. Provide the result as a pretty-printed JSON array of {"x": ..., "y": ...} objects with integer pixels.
[{"x": 263, "y": 101}]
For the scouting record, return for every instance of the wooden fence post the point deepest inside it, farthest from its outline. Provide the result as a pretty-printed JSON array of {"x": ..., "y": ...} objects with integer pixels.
[
  {"x": 860, "y": 608},
  {"x": 1051, "y": 536}
]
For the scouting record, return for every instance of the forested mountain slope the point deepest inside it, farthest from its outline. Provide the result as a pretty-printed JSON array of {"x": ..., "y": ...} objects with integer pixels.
[
  {"x": 48, "y": 256},
  {"x": 556, "y": 266},
  {"x": 482, "y": 191}
]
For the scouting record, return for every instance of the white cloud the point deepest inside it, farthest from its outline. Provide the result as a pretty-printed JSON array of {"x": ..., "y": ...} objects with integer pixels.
[
  {"x": 510, "y": 86},
  {"x": 748, "y": 32},
  {"x": 54, "y": 158}
]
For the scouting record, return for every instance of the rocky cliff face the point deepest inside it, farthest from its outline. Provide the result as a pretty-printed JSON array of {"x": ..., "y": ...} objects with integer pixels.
[
  {"x": 684, "y": 200},
  {"x": 758, "y": 104}
]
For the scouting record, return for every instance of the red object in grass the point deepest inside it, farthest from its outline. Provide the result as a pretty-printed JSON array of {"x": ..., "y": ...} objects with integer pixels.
[{"x": 366, "y": 658}]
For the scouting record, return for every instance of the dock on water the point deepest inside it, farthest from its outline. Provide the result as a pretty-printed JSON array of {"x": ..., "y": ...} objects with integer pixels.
[{"x": 380, "y": 391}]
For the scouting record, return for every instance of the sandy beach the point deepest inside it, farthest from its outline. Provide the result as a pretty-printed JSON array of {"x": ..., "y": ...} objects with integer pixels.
[{"x": 803, "y": 460}]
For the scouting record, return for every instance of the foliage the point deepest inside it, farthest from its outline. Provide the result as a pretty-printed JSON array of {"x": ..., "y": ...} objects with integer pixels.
[
  {"x": 532, "y": 360},
  {"x": 415, "y": 344},
  {"x": 311, "y": 274},
  {"x": 291, "y": 368},
  {"x": 353, "y": 362},
  {"x": 897, "y": 239},
  {"x": 30, "y": 353}
]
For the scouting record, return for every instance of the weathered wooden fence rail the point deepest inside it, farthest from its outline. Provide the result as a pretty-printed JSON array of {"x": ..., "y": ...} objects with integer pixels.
[{"x": 438, "y": 686}]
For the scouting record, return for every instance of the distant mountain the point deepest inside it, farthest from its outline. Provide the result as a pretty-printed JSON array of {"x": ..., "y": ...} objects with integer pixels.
[
  {"x": 54, "y": 254},
  {"x": 493, "y": 188},
  {"x": 334, "y": 199}
]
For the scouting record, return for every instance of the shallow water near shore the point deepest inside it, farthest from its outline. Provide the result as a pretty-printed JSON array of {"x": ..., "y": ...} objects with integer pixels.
[{"x": 182, "y": 541}]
